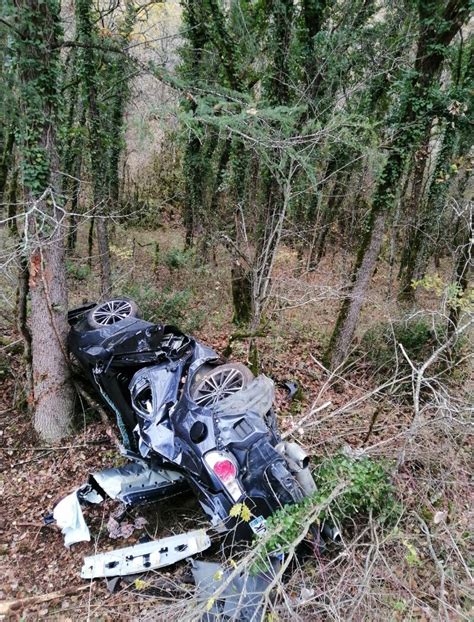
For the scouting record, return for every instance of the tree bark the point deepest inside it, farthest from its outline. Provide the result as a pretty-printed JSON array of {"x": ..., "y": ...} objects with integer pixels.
[
  {"x": 53, "y": 396},
  {"x": 414, "y": 217},
  {"x": 330, "y": 214},
  {"x": 22, "y": 326},
  {"x": 461, "y": 274},
  {"x": 97, "y": 141},
  {"x": 104, "y": 255},
  {"x": 5, "y": 162},
  {"x": 12, "y": 202},
  {"x": 352, "y": 305},
  {"x": 241, "y": 280},
  {"x": 39, "y": 67},
  {"x": 241, "y": 293}
]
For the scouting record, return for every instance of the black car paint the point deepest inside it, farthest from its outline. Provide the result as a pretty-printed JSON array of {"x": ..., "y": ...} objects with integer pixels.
[{"x": 112, "y": 355}]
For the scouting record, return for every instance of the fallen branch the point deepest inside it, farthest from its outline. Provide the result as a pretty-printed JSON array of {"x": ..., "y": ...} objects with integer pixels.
[{"x": 8, "y": 606}]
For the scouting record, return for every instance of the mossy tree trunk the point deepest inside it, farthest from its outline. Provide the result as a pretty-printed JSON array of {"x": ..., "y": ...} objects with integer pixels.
[
  {"x": 97, "y": 138},
  {"x": 412, "y": 218},
  {"x": 456, "y": 145},
  {"x": 104, "y": 79},
  {"x": 36, "y": 44},
  {"x": 196, "y": 20},
  {"x": 437, "y": 27},
  {"x": 5, "y": 161},
  {"x": 241, "y": 278}
]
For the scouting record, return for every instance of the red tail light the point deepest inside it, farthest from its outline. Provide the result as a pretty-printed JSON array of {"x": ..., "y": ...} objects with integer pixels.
[{"x": 225, "y": 470}]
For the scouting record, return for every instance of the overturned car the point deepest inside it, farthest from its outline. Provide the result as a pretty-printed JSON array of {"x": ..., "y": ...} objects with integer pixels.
[{"x": 187, "y": 417}]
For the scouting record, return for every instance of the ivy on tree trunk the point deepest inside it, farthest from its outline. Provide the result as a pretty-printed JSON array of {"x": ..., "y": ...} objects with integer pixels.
[{"x": 37, "y": 34}]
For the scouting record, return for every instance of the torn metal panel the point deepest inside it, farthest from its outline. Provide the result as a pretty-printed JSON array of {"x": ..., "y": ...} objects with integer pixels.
[
  {"x": 133, "y": 484},
  {"x": 256, "y": 398},
  {"x": 137, "y": 483},
  {"x": 154, "y": 390},
  {"x": 241, "y": 599},
  {"x": 144, "y": 557}
]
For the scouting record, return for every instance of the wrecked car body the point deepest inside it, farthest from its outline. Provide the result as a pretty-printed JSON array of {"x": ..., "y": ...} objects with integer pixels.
[{"x": 187, "y": 418}]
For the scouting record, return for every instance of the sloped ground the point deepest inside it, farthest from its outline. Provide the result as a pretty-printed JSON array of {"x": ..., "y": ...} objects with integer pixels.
[{"x": 417, "y": 570}]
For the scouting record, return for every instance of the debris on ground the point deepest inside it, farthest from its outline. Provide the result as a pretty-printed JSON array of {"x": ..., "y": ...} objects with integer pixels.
[
  {"x": 145, "y": 557},
  {"x": 227, "y": 595}
]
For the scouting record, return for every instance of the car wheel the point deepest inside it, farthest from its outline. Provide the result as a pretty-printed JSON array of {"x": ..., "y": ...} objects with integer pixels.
[
  {"x": 212, "y": 384},
  {"x": 112, "y": 311}
]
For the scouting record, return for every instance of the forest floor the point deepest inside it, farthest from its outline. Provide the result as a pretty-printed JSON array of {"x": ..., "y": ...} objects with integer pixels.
[{"x": 403, "y": 574}]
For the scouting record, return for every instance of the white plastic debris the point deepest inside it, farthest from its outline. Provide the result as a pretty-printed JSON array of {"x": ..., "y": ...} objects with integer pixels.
[
  {"x": 144, "y": 557},
  {"x": 68, "y": 516}
]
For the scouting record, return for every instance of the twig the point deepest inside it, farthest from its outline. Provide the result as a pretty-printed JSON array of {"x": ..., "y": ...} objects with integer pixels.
[
  {"x": 312, "y": 412},
  {"x": 439, "y": 566}
]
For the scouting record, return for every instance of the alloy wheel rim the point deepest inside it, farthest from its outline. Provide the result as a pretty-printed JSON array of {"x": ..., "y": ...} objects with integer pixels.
[
  {"x": 219, "y": 385},
  {"x": 112, "y": 312}
]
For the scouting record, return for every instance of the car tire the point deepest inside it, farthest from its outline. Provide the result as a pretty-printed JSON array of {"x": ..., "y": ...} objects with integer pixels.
[
  {"x": 211, "y": 384},
  {"x": 111, "y": 312}
]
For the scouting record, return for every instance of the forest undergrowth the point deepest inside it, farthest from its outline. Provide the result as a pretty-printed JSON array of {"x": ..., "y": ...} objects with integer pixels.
[{"x": 414, "y": 566}]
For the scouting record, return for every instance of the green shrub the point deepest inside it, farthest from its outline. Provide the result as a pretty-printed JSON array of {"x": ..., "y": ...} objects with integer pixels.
[
  {"x": 80, "y": 272},
  {"x": 175, "y": 259},
  {"x": 166, "y": 305},
  {"x": 379, "y": 344},
  {"x": 368, "y": 492}
]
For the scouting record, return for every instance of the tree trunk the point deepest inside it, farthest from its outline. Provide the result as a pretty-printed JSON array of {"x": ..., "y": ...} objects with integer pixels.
[
  {"x": 268, "y": 241},
  {"x": 39, "y": 69},
  {"x": 241, "y": 294},
  {"x": 330, "y": 213},
  {"x": 22, "y": 327},
  {"x": 53, "y": 396},
  {"x": 12, "y": 202},
  {"x": 241, "y": 280},
  {"x": 75, "y": 187},
  {"x": 98, "y": 138},
  {"x": 352, "y": 305},
  {"x": 461, "y": 275},
  {"x": 90, "y": 243},
  {"x": 415, "y": 116},
  {"x": 196, "y": 19},
  {"x": 414, "y": 217},
  {"x": 104, "y": 256},
  {"x": 5, "y": 163}
]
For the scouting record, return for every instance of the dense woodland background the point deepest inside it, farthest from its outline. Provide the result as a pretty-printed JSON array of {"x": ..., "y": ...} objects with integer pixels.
[{"x": 290, "y": 180}]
